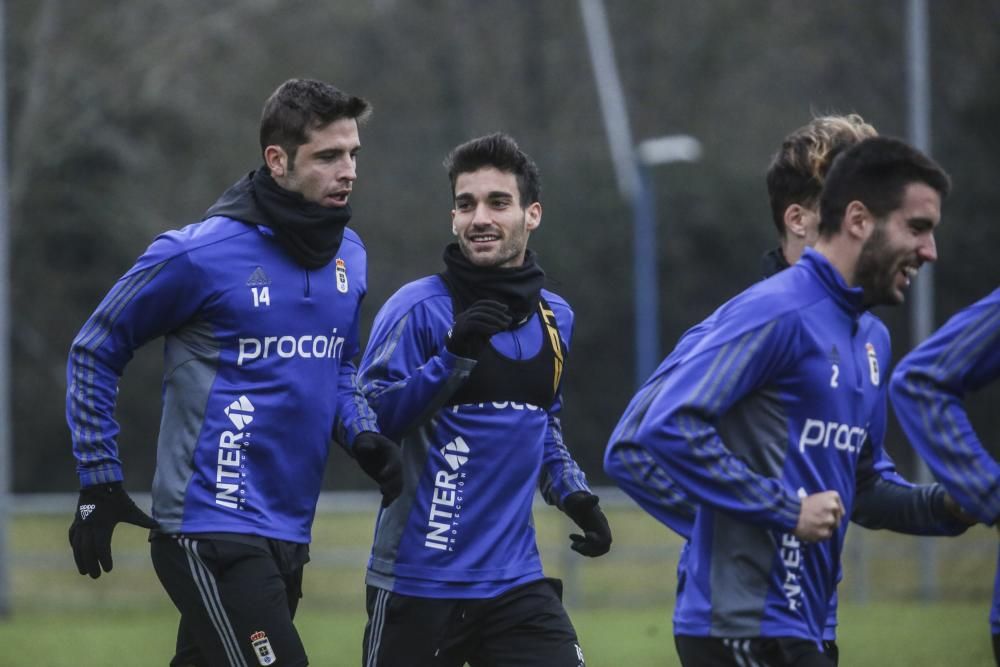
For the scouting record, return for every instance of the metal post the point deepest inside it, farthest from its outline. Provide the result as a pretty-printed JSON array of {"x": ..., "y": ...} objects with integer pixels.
[
  {"x": 630, "y": 164},
  {"x": 649, "y": 153},
  {"x": 5, "y": 455},
  {"x": 645, "y": 279},
  {"x": 631, "y": 184},
  {"x": 922, "y": 306},
  {"x": 919, "y": 134}
]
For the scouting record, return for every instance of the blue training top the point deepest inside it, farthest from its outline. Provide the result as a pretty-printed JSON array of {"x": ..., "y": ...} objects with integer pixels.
[
  {"x": 257, "y": 375},
  {"x": 462, "y": 527},
  {"x": 884, "y": 499},
  {"x": 927, "y": 390},
  {"x": 778, "y": 395}
]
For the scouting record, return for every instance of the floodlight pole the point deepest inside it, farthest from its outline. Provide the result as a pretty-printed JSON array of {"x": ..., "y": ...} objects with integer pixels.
[
  {"x": 922, "y": 307},
  {"x": 5, "y": 453},
  {"x": 646, "y": 276},
  {"x": 631, "y": 165}
]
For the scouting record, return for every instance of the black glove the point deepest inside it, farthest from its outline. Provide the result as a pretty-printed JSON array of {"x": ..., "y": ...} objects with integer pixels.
[
  {"x": 100, "y": 508},
  {"x": 582, "y": 507},
  {"x": 474, "y": 326},
  {"x": 378, "y": 456},
  {"x": 956, "y": 512}
]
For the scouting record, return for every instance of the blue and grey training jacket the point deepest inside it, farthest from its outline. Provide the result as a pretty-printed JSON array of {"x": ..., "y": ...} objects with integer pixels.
[
  {"x": 462, "y": 527},
  {"x": 257, "y": 375},
  {"x": 884, "y": 499},
  {"x": 927, "y": 390},
  {"x": 780, "y": 394}
]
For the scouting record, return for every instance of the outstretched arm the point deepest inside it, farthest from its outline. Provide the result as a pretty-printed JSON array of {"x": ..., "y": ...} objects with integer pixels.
[{"x": 927, "y": 391}]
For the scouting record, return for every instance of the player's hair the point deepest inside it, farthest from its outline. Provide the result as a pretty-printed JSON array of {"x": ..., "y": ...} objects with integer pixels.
[
  {"x": 798, "y": 169},
  {"x": 299, "y": 106},
  {"x": 498, "y": 150},
  {"x": 875, "y": 172}
]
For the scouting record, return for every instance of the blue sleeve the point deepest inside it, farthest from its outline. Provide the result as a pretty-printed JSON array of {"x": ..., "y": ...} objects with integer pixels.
[
  {"x": 406, "y": 373},
  {"x": 927, "y": 391},
  {"x": 560, "y": 474},
  {"x": 679, "y": 431},
  {"x": 634, "y": 470},
  {"x": 354, "y": 415},
  {"x": 638, "y": 474},
  {"x": 160, "y": 293}
]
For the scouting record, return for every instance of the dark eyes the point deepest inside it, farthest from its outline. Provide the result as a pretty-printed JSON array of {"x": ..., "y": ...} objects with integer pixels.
[{"x": 498, "y": 204}]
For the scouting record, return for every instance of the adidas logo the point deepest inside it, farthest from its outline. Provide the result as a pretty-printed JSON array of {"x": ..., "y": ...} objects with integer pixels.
[
  {"x": 240, "y": 412},
  {"x": 834, "y": 355},
  {"x": 455, "y": 460},
  {"x": 258, "y": 278},
  {"x": 86, "y": 510}
]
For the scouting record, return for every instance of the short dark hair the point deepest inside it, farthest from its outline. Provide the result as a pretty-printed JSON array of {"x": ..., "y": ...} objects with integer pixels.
[
  {"x": 798, "y": 169},
  {"x": 500, "y": 151},
  {"x": 299, "y": 106},
  {"x": 875, "y": 172}
]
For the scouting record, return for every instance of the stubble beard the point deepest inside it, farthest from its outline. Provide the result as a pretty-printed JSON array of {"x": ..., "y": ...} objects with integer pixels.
[{"x": 876, "y": 272}]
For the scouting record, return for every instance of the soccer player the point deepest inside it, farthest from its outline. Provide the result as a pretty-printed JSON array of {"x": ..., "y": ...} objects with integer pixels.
[
  {"x": 795, "y": 179},
  {"x": 927, "y": 390},
  {"x": 794, "y": 182},
  {"x": 464, "y": 368},
  {"x": 258, "y": 305},
  {"x": 766, "y": 416}
]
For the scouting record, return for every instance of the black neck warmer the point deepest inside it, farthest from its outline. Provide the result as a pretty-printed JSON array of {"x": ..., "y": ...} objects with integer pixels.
[
  {"x": 310, "y": 233},
  {"x": 519, "y": 287}
]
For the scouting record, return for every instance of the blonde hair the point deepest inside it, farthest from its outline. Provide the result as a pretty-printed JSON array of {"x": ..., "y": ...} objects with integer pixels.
[{"x": 798, "y": 170}]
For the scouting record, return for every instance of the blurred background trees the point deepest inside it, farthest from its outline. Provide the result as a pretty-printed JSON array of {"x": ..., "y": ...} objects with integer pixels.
[{"x": 129, "y": 118}]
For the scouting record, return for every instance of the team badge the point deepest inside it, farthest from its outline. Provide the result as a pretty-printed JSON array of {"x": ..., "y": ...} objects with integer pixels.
[
  {"x": 262, "y": 648},
  {"x": 341, "y": 276},
  {"x": 872, "y": 363}
]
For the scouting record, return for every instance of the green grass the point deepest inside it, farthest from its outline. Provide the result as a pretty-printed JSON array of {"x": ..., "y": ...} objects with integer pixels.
[
  {"x": 621, "y": 604},
  {"x": 876, "y": 634}
]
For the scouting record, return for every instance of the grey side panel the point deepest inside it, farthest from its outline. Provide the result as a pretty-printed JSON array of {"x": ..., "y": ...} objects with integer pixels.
[
  {"x": 392, "y": 520},
  {"x": 755, "y": 429},
  {"x": 191, "y": 361}
]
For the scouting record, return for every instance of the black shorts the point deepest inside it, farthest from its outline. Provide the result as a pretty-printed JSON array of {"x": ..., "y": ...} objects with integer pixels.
[
  {"x": 237, "y": 597},
  {"x": 524, "y": 627},
  {"x": 756, "y": 652}
]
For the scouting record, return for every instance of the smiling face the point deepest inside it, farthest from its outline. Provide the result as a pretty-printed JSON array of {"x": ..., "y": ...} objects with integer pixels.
[
  {"x": 324, "y": 168},
  {"x": 491, "y": 226},
  {"x": 898, "y": 245}
]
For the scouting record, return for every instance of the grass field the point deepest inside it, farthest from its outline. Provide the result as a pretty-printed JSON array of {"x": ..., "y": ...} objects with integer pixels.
[
  {"x": 620, "y": 604},
  {"x": 878, "y": 634}
]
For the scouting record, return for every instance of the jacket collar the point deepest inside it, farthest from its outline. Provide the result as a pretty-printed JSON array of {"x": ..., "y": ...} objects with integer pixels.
[{"x": 850, "y": 299}]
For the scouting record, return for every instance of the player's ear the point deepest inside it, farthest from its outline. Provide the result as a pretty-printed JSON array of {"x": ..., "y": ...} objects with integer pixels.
[
  {"x": 276, "y": 160},
  {"x": 858, "y": 220},
  {"x": 794, "y": 221},
  {"x": 533, "y": 216}
]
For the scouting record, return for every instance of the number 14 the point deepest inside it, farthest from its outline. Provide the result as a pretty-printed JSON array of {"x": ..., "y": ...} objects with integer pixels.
[{"x": 261, "y": 296}]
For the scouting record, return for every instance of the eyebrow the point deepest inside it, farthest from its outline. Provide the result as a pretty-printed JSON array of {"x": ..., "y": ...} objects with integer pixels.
[
  {"x": 495, "y": 194},
  {"x": 921, "y": 222},
  {"x": 336, "y": 151}
]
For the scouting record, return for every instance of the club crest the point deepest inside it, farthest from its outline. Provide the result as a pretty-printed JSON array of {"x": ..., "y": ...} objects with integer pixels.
[{"x": 341, "y": 276}]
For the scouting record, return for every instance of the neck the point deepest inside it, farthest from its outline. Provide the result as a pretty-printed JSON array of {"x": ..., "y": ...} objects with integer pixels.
[
  {"x": 838, "y": 251},
  {"x": 791, "y": 248}
]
